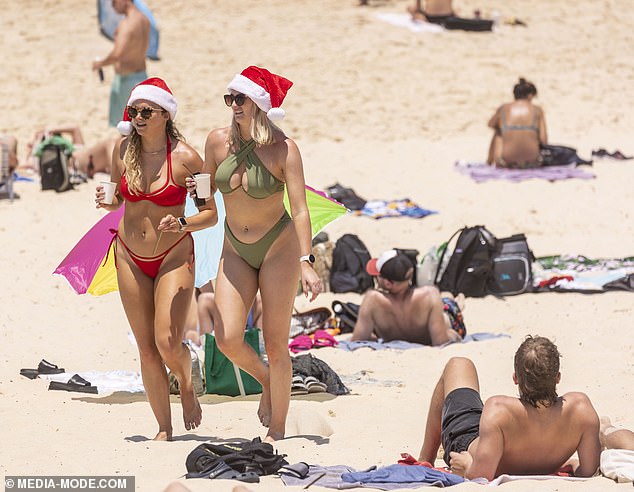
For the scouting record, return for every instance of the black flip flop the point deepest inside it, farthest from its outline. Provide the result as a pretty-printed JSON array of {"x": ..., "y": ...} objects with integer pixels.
[
  {"x": 44, "y": 367},
  {"x": 75, "y": 383},
  {"x": 29, "y": 373},
  {"x": 297, "y": 470}
]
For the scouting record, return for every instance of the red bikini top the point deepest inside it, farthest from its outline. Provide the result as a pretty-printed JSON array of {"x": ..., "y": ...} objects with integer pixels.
[{"x": 168, "y": 195}]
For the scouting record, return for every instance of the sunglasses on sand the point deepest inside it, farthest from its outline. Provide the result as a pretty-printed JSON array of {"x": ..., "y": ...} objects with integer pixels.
[
  {"x": 146, "y": 113},
  {"x": 238, "y": 98}
]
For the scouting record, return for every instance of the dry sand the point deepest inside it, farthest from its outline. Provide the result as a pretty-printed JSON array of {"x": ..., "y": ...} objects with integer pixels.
[{"x": 376, "y": 107}]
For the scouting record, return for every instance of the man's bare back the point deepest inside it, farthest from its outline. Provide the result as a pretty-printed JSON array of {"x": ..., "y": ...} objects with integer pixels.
[
  {"x": 534, "y": 441},
  {"x": 535, "y": 434},
  {"x": 398, "y": 311},
  {"x": 409, "y": 317}
]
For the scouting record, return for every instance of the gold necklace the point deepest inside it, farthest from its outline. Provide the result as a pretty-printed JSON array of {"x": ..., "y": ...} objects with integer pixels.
[{"x": 154, "y": 152}]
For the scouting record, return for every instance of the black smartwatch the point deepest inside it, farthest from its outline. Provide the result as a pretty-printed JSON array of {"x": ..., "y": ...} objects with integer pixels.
[
  {"x": 183, "y": 222},
  {"x": 309, "y": 258}
]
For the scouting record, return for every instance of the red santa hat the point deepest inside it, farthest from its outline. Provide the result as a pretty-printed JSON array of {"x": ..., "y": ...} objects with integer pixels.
[
  {"x": 154, "y": 90},
  {"x": 264, "y": 88}
]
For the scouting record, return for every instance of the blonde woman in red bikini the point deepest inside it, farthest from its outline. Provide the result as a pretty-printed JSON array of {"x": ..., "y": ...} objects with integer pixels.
[{"x": 154, "y": 248}]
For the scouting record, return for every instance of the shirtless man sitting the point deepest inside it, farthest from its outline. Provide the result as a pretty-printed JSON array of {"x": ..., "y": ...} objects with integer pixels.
[
  {"x": 535, "y": 434},
  {"x": 399, "y": 311}
]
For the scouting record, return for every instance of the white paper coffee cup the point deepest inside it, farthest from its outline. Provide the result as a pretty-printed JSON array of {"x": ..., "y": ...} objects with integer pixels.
[
  {"x": 203, "y": 185},
  {"x": 108, "y": 187}
]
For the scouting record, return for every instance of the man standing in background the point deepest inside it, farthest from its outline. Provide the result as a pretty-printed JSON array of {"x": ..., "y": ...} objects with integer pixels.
[{"x": 131, "y": 42}]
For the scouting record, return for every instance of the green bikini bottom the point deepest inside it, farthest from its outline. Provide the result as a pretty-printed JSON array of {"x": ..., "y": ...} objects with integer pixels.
[{"x": 254, "y": 253}]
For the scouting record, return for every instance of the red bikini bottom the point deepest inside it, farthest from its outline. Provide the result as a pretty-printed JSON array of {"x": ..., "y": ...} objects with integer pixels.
[{"x": 149, "y": 265}]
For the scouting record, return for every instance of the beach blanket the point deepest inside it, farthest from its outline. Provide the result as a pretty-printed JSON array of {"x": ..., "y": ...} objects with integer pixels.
[
  {"x": 106, "y": 382},
  {"x": 403, "y": 345},
  {"x": 379, "y": 209},
  {"x": 391, "y": 477},
  {"x": 405, "y": 20},
  {"x": 578, "y": 273},
  {"x": 481, "y": 172}
]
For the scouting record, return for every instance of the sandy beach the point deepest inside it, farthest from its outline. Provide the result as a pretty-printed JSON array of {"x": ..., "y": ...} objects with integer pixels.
[{"x": 376, "y": 107}]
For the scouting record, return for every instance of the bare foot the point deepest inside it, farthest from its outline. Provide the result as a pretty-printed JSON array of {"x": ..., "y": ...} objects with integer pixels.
[
  {"x": 192, "y": 413},
  {"x": 163, "y": 436},
  {"x": 274, "y": 436},
  {"x": 264, "y": 410}
]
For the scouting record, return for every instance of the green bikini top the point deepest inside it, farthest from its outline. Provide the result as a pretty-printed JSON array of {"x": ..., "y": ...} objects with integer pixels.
[{"x": 261, "y": 182}]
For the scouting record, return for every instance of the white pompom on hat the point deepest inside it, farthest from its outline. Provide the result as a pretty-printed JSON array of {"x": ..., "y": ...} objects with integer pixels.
[
  {"x": 154, "y": 90},
  {"x": 267, "y": 90}
]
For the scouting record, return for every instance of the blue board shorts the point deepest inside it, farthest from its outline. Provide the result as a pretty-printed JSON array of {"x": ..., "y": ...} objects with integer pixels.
[{"x": 120, "y": 90}]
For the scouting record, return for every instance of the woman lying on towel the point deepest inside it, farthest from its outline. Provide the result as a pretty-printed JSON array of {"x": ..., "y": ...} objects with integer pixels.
[{"x": 519, "y": 128}]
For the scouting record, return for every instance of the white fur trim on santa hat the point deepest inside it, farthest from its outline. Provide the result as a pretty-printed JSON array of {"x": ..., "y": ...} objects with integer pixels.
[
  {"x": 124, "y": 127},
  {"x": 156, "y": 95},
  {"x": 255, "y": 92},
  {"x": 276, "y": 114}
]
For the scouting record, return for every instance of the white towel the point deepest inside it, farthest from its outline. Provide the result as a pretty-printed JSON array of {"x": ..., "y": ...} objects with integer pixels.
[
  {"x": 405, "y": 20},
  {"x": 618, "y": 464},
  {"x": 106, "y": 382}
]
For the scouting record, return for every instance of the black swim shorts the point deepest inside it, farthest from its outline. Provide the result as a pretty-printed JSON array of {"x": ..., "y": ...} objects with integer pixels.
[{"x": 461, "y": 413}]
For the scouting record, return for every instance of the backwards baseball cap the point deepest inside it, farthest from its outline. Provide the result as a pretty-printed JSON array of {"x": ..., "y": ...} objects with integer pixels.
[{"x": 391, "y": 265}]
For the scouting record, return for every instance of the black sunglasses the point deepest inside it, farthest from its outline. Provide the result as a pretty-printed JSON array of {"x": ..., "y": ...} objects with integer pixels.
[
  {"x": 238, "y": 98},
  {"x": 146, "y": 113}
]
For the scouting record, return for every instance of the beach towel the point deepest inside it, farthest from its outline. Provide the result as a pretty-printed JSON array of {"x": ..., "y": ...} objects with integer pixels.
[
  {"x": 513, "y": 478},
  {"x": 618, "y": 464},
  {"x": 106, "y": 382},
  {"x": 481, "y": 172},
  {"x": 379, "y": 209},
  {"x": 403, "y": 345},
  {"x": 393, "y": 477},
  {"x": 402, "y": 474},
  {"x": 405, "y": 20},
  {"x": 578, "y": 273}
]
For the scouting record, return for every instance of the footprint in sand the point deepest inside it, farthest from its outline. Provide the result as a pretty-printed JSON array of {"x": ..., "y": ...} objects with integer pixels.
[{"x": 303, "y": 421}]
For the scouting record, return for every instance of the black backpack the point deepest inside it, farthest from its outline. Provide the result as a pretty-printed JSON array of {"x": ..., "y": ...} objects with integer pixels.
[
  {"x": 248, "y": 456},
  {"x": 349, "y": 258},
  {"x": 512, "y": 271},
  {"x": 471, "y": 263},
  {"x": 54, "y": 168}
]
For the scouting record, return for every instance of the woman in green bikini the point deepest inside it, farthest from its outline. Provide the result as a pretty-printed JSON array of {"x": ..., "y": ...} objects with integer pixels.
[
  {"x": 519, "y": 129},
  {"x": 251, "y": 162}
]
